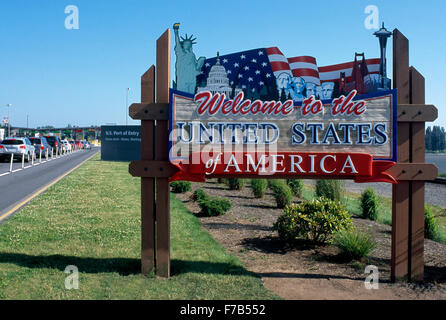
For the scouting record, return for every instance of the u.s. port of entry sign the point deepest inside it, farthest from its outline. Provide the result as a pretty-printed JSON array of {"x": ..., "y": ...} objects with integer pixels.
[{"x": 352, "y": 136}]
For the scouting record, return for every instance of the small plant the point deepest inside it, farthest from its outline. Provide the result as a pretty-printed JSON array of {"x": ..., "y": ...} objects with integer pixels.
[
  {"x": 315, "y": 221},
  {"x": 235, "y": 183},
  {"x": 430, "y": 224},
  {"x": 282, "y": 193},
  {"x": 199, "y": 195},
  {"x": 214, "y": 207},
  {"x": 369, "y": 204},
  {"x": 181, "y": 186},
  {"x": 296, "y": 186},
  {"x": 354, "y": 244},
  {"x": 259, "y": 187},
  {"x": 271, "y": 182},
  {"x": 330, "y": 189}
]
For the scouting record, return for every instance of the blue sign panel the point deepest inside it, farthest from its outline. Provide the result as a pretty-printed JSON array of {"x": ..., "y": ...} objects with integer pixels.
[{"x": 120, "y": 143}]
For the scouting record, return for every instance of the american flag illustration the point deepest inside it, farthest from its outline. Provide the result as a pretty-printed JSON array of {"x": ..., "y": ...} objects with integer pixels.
[
  {"x": 261, "y": 73},
  {"x": 248, "y": 70},
  {"x": 306, "y": 67}
]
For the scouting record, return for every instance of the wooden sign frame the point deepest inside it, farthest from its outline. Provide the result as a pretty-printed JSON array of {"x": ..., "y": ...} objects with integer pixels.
[{"x": 154, "y": 168}]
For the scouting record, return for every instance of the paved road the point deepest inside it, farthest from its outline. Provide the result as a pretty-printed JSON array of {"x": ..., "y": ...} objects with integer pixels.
[
  {"x": 19, "y": 186},
  {"x": 439, "y": 159},
  {"x": 433, "y": 193}
]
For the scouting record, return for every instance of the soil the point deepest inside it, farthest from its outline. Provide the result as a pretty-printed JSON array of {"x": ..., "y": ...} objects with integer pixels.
[{"x": 310, "y": 272}]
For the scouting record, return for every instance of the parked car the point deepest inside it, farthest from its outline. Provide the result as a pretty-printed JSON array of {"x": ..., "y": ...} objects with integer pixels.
[
  {"x": 87, "y": 145},
  {"x": 17, "y": 146},
  {"x": 55, "y": 143},
  {"x": 79, "y": 144},
  {"x": 41, "y": 145}
]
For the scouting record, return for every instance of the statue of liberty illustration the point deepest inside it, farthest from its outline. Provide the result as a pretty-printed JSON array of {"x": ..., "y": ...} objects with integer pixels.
[{"x": 187, "y": 67}]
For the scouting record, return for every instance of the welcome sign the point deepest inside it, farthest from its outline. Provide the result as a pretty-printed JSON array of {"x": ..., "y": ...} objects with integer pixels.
[
  {"x": 259, "y": 113},
  {"x": 348, "y": 136}
]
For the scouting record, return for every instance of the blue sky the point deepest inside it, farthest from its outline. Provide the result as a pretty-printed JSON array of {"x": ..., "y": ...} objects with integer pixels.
[{"x": 79, "y": 77}]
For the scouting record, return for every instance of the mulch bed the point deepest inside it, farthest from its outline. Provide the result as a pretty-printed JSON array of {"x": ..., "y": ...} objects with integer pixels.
[{"x": 310, "y": 272}]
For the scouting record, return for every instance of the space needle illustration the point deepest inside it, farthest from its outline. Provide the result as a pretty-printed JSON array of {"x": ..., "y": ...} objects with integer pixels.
[{"x": 382, "y": 34}]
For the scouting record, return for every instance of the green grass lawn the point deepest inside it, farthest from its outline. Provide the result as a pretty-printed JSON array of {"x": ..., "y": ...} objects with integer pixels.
[
  {"x": 353, "y": 205},
  {"x": 91, "y": 219}
]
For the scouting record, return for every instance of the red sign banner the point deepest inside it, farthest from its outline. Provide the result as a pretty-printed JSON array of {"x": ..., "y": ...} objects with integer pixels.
[{"x": 357, "y": 166}]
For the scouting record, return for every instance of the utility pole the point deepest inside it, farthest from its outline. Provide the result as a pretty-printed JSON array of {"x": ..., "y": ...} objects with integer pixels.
[{"x": 9, "y": 105}]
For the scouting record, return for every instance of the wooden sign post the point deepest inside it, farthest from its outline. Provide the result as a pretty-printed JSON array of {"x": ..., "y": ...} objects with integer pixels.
[
  {"x": 410, "y": 171},
  {"x": 155, "y": 191},
  {"x": 408, "y": 195}
]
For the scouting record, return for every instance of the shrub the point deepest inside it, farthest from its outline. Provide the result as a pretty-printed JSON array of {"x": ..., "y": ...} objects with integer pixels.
[
  {"x": 212, "y": 207},
  {"x": 282, "y": 193},
  {"x": 235, "y": 183},
  {"x": 259, "y": 187},
  {"x": 430, "y": 224},
  {"x": 330, "y": 189},
  {"x": 315, "y": 220},
  {"x": 200, "y": 195},
  {"x": 180, "y": 186},
  {"x": 271, "y": 182},
  {"x": 296, "y": 186},
  {"x": 354, "y": 244},
  {"x": 369, "y": 204}
]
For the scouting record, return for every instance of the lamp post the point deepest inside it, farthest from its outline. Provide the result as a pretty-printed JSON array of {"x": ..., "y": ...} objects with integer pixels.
[
  {"x": 126, "y": 105},
  {"x": 9, "y": 105},
  {"x": 382, "y": 34}
]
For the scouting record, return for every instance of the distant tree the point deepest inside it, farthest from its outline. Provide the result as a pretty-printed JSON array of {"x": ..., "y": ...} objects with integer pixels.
[
  {"x": 428, "y": 138},
  {"x": 264, "y": 93},
  {"x": 442, "y": 139},
  {"x": 336, "y": 93},
  {"x": 435, "y": 138},
  {"x": 283, "y": 95},
  {"x": 274, "y": 91},
  {"x": 247, "y": 92},
  {"x": 255, "y": 95},
  {"x": 250, "y": 94}
]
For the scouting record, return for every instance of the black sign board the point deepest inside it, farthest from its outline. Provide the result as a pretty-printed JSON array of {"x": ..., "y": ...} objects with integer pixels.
[{"x": 120, "y": 143}]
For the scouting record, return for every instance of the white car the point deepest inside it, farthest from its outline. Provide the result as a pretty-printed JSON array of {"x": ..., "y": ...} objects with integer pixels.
[
  {"x": 66, "y": 146},
  {"x": 17, "y": 147}
]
